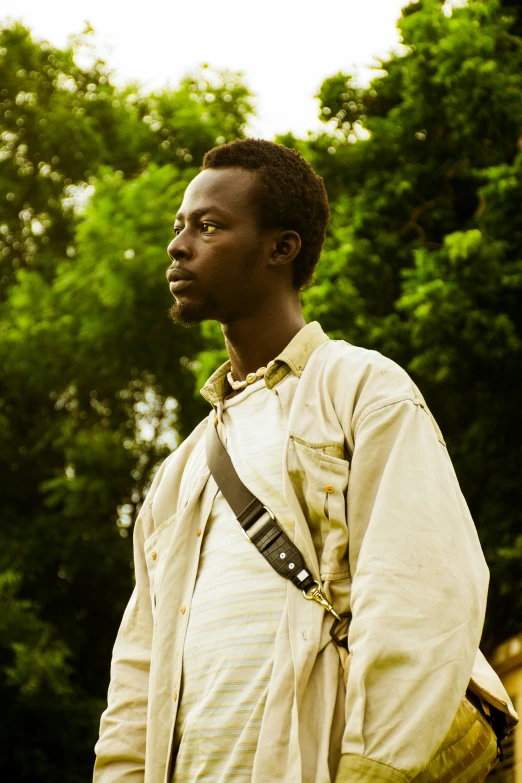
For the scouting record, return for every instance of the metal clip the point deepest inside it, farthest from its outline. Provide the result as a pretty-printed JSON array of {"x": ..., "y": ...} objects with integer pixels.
[{"x": 316, "y": 594}]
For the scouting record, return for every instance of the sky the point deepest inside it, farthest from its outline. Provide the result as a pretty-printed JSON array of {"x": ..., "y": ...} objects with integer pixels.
[{"x": 285, "y": 48}]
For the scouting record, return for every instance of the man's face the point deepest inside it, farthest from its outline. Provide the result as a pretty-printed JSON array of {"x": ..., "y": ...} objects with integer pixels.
[{"x": 219, "y": 249}]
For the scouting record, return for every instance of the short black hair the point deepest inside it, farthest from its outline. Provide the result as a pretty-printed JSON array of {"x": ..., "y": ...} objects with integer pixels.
[{"x": 291, "y": 195}]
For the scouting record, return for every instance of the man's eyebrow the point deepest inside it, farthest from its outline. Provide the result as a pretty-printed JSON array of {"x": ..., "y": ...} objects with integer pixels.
[{"x": 202, "y": 211}]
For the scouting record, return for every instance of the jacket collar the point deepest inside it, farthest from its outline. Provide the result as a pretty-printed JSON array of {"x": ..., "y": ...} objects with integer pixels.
[{"x": 293, "y": 358}]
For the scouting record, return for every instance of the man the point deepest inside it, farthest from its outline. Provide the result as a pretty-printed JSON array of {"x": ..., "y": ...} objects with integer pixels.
[{"x": 222, "y": 672}]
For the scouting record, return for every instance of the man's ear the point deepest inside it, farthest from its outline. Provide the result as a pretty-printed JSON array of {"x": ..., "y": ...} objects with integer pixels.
[{"x": 287, "y": 245}]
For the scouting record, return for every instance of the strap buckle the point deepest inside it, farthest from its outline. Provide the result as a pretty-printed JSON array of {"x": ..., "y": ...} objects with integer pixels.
[
  {"x": 259, "y": 517},
  {"x": 316, "y": 594}
]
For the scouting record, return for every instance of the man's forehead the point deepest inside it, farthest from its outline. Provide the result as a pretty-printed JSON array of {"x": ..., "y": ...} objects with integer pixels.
[{"x": 225, "y": 189}]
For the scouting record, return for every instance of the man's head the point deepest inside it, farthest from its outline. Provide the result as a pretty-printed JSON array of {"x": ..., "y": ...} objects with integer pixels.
[{"x": 250, "y": 229}]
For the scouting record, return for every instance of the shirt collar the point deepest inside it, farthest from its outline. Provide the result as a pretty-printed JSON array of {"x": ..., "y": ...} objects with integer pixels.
[{"x": 293, "y": 358}]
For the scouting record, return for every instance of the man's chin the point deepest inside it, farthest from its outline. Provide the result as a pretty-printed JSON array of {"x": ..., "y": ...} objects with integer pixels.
[{"x": 183, "y": 313}]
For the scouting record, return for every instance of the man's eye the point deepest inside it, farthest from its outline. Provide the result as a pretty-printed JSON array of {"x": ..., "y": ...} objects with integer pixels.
[{"x": 207, "y": 228}]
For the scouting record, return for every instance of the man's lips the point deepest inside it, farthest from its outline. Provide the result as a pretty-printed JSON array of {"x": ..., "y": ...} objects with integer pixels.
[
  {"x": 178, "y": 279},
  {"x": 178, "y": 273},
  {"x": 177, "y": 285}
]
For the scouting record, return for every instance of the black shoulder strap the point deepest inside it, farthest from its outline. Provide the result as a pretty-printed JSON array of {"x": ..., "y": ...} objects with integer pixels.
[
  {"x": 270, "y": 539},
  {"x": 267, "y": 536}
]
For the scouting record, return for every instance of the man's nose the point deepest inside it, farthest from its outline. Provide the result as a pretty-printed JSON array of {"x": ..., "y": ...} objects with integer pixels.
[{"x": 179, "y": 248}]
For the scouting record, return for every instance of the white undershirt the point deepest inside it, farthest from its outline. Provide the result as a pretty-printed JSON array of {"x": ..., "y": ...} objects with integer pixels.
[{"x": 236, "y": 608}]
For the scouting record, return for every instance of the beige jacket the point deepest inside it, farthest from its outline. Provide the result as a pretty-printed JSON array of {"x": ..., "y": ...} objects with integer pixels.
[{"x": 394, "y": 541}]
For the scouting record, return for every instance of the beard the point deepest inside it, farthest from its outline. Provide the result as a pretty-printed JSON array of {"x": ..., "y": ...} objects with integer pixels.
[{"x": 187, "y": 313}]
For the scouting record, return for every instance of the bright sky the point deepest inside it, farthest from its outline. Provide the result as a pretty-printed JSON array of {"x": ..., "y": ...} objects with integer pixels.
[{"x": 285, "y": 49}]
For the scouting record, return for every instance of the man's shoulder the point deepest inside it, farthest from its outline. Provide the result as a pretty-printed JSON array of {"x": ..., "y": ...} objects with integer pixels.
[
  {"x": 164, "y": 493},
  {"x": 177, "y": 459},
  {"x": 363, "y": 369},
  {"x": 182, "y": 453},
  {"x": 361, "y": 381}
]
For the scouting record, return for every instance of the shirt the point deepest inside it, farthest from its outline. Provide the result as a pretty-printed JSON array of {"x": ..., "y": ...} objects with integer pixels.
[
  {"x": 394, "y": 542},
  {"x": 236, "y": 607}
]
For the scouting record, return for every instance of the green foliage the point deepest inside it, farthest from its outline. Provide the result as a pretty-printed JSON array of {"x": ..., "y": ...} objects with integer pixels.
[
  {"x": 40, "y": 662},
  {"x": 422, "y": 261}
]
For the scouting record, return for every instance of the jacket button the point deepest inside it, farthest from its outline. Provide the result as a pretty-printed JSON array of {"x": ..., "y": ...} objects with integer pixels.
[
  {"x": 182, "y": 609},
  {"x": 199, "y": 532},
  {"x": 216, "y": 420},
  {"x": 329, "y": 488},
  {"x": 175, "y": 697},
  {"x": 154, "y": 555}
]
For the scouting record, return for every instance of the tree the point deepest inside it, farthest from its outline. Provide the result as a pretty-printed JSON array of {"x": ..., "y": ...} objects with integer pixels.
[{"x": 96, "y": 388}]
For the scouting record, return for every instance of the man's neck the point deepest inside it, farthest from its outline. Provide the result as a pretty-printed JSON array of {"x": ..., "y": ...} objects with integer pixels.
[{"x": 253, "y": 342}]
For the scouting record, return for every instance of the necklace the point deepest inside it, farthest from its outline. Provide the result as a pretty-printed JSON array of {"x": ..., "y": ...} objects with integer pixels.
[{"x": 251, "y": 377}]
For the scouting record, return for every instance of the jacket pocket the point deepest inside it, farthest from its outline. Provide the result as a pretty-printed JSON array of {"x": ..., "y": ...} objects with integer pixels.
[
  {"x": 320, "y": 476},
  {"x": 155, "y": 549}
]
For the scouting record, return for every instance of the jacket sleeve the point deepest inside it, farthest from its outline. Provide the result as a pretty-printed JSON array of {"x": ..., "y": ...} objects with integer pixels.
[
  {"x": 418, "y": 593},
  {"x": 120, "y": 750}
]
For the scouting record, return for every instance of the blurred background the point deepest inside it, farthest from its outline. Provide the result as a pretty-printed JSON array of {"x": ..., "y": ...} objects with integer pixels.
[{"x": 413, "y": 118}]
